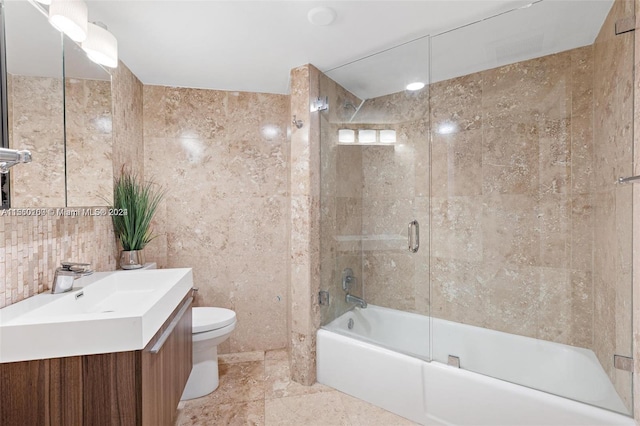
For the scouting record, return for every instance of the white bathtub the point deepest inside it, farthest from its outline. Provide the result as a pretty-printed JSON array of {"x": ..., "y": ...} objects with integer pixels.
[{"x": 382, "y": 360}]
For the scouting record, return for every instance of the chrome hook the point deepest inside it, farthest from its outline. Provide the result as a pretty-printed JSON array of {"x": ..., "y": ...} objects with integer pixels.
[{"x": 297, "y": 123}]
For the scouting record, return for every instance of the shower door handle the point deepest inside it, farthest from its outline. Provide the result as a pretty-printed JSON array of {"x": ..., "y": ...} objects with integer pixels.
[{"x": 414, "y": 236}]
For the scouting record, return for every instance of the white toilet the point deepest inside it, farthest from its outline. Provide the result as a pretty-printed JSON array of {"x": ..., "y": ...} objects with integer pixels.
[{"x": 211, "y": 326}]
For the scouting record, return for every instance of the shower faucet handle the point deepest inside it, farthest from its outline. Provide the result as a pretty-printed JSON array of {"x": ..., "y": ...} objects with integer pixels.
[{"x": 347, "y": 279}]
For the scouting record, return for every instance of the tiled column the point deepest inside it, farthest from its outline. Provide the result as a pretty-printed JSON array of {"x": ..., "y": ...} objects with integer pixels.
[{"x": 304, "y": 313}]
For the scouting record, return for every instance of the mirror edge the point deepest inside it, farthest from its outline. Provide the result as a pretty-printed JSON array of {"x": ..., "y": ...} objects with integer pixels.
[{"x": 4, "y": 119}]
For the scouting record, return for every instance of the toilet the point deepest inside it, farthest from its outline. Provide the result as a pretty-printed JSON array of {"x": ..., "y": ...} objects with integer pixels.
[{"x": 211, "y": 326}]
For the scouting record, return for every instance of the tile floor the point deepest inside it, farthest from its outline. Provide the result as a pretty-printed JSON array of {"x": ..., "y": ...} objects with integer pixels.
[{"x": 255, "y": 390}]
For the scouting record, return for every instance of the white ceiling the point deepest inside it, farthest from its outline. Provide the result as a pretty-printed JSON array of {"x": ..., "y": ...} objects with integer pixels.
[{"x": 253, "y": 45}]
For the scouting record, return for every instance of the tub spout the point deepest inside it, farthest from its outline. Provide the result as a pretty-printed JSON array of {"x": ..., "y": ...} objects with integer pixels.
[{"x": 357, "y": 300}]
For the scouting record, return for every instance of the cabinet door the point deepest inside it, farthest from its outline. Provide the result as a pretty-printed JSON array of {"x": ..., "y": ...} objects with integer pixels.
[{"x": 166, "y": 365}]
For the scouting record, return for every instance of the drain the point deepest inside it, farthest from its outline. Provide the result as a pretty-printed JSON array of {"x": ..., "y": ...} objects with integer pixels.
[{"x": 350, "y": 324}]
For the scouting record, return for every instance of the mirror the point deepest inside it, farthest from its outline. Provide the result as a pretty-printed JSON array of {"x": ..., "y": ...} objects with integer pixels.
[
  {"x": 35, "y": 106},
  {"x": 88, "y": 137},
  {"x": 41, "y": 97}
]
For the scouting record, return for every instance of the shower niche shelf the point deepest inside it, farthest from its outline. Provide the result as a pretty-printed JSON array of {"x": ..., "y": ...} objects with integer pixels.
[
  {"x": 366, "y": 143},
  {"x": 373, "y": 242}
]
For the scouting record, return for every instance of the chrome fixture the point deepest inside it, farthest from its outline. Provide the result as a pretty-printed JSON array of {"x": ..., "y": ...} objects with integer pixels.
[
  {"x": 320, "y": 104},
  {"x": 414, "y": 236},
  {"x": 11, "y": 157},
  {"x": 350, "y": 298},
  {"x": 624, "y": 363},
  {"x": 630, "y": 179},
  {"x": 347, "y": 279},
  {"x": 66, "y": 274},
  {"x": 453, "y": 361},
  {"x": 297, "y": 123},
  {"x": 323, "y": 298}
]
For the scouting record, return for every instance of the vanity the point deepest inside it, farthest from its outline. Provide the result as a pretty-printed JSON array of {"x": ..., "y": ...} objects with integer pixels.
[{"x": 116, "y": 350}]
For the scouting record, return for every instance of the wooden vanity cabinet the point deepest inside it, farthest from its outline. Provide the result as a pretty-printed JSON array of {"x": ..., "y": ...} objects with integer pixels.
[{"x": 140, "y": 387}]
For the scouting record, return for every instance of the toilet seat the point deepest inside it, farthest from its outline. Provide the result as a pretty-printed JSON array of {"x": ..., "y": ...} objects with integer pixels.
[{"x": 208, "y": 319}]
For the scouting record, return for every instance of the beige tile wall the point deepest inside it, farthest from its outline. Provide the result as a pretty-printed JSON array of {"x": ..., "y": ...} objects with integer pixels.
[
  {"x": 32, "y": 247},
  {"x": 305, "y": 226},
  {"x": 89, "y": 142},
  {"x": 395, "y": 191},
  {"x": 511, "y": 210},
  {"x": 636, "y": 222},
  {"x": 612, "y": 204},
  {"x": 341, "y": 180},
  {"x": 223, "y": 158},
  {"x": 36, "y": 119}
]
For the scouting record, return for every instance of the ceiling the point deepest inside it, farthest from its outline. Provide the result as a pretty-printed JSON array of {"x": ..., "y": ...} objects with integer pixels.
[{"x": 252, "y": 45}]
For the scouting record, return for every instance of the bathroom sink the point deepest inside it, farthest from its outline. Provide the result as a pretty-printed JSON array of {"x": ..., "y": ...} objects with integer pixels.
[{"x": 105, "y": 312}]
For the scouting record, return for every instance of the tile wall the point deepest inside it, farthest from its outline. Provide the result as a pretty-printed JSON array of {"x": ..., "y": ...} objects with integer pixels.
[
  {"x": 32, "y": 247},
  {"x": 223, "y": 159}
]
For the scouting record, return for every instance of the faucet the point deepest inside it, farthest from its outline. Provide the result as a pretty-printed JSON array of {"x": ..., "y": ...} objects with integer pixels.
[
  {"x": 66, "y": 274},
  {"x": 357, "y": 300}
]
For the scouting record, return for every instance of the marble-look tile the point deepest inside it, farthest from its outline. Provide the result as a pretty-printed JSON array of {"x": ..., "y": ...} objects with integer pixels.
[
  {"x": 509, "y": 230},
  {"x": 566, "y": 307},
  {"x": 239, "y": 382},
  {"x": 613, "y": 157},
  {"x": 276, "y": 355},
  {"x": 278, "y": 381},
  {"x": 510, "y": 159},
  {"x": 127, "y": 121},
  {"x": 457, "y": 104},
  {"x": 525, "y": 92},
  {"x": 456, "y": 228},
  {"x": 235, "y": 413},
  {"x": 236, "y": 357},
  {"x": 322, "y": 409},
  {"x": 361, "y": 413},
  {"x": 388, "y": 279},
  {"x": 636, "y": 225},
  {"x": 457, "y": 164},
  {"x": 303, "y": 358},
  {"x": 388, "y": 171}
]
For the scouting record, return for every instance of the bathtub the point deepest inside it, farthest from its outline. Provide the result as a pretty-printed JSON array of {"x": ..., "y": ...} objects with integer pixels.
[{"x": 383, "y": 359}]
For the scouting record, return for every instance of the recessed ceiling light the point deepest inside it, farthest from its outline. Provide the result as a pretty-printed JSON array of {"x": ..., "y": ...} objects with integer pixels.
[
  {"x": 415, "y": 85},
  {"x": 321, "y": 16}
]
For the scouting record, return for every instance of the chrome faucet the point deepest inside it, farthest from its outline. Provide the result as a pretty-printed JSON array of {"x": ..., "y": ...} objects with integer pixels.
[
  {"x": 357, "y": 300},
  {"x": 66, "y": 274}
]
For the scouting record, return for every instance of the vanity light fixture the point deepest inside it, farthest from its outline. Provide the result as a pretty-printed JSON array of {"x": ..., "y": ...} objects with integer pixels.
[
  {"x": 100, "y": 45},
  {"x": 417, "y": 85},
  {"x": 47, "y": 2},
  {"x": 70, "y": 17}
]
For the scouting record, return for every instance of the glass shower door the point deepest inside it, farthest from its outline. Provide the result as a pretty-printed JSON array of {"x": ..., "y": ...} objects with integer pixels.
[
  {"x": 374, "y": 184},
  {"x": 530, "y": 235}
]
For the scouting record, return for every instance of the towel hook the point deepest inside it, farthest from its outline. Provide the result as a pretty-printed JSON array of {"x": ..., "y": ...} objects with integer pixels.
[{"x": 297, "y": 123}]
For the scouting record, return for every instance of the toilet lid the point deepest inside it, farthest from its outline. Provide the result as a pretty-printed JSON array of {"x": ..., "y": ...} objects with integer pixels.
[{"x": 207, "y": 319}]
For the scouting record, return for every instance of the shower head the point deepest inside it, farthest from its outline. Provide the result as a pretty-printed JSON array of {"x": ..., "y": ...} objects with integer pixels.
[{"x": 348, "y": 105}]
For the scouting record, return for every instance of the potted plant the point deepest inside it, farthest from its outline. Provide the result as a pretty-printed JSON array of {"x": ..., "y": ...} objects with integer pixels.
[{"x": 134, "y": 204}]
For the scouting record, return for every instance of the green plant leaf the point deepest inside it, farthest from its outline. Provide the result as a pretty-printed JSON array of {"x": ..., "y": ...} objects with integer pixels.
[{"x": 140, "y": 200}]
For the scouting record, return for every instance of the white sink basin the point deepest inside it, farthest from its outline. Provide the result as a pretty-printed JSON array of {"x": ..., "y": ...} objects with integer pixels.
[{"x": 105, "y": 312}]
